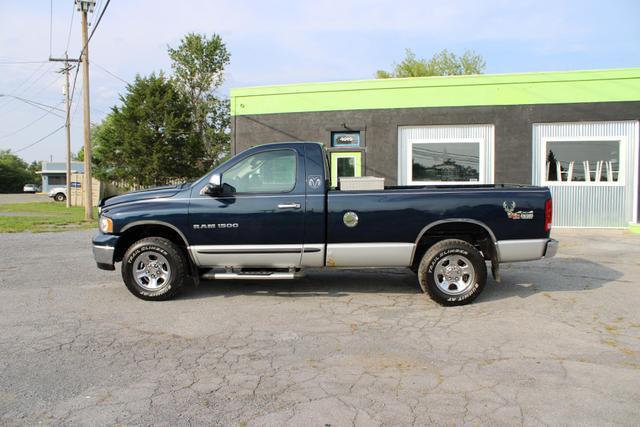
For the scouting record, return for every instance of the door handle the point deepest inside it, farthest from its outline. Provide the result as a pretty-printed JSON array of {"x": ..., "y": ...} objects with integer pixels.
[{"x": 289, "y": 206}]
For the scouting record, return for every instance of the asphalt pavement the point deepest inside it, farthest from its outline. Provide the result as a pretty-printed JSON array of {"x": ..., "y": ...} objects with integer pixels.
[
  {"x": 557, "y": 342},
  {"x": 23, "y": 198}
]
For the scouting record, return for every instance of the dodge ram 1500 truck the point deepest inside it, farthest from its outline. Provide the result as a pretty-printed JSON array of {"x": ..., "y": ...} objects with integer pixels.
[{"x": 269, "y": 212}]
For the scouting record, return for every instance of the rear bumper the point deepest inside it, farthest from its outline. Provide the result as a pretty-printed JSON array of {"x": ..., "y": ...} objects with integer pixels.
[
  {"x": 526, "y": 249},
  {"x": 104, "y": 248},
  {"x": 552, "y": 248}
]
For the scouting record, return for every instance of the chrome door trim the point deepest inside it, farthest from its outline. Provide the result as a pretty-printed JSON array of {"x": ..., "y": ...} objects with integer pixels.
[{"x": 281, "y": 256}]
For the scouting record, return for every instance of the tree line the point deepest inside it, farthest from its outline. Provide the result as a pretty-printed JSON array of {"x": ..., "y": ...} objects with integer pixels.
[{"x": 175, "y": 126}]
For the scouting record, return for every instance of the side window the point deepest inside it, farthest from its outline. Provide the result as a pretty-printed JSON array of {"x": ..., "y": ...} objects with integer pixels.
[{"x": 266, "y": 172}]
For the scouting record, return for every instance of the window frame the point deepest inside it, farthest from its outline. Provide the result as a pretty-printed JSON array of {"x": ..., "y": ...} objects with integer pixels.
[
  {"x": 295, "y": 183},
  {"x": 622, "y": 171},
  {"x": 482, "y": 179}
]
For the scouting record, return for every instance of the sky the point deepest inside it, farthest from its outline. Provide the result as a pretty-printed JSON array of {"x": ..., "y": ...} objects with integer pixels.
[{"x": 277, "y": 42}]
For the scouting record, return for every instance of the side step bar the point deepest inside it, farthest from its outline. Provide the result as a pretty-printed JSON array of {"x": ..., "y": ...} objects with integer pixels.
[{"x": 252, "y": 275}]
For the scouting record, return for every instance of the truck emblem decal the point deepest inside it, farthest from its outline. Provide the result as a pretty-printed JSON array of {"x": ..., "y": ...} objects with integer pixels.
[
  {"x": 314, "y": 181},
  {"x": 218, "y": 226},
  {"x": 510, "y": 209}
]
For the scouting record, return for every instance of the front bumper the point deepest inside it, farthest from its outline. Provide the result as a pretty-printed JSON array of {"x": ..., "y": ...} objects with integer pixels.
[
  {"x": 551, "y": 249},
  {"x": 104, "y": 248}
]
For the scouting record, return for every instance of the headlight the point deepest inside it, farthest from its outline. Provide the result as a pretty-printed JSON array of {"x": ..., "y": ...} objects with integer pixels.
[{"x": 105, "y": 224}]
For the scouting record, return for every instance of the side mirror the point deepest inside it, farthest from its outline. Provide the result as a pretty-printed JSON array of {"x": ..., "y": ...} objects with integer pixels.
[{"x": 214, "y": 187}]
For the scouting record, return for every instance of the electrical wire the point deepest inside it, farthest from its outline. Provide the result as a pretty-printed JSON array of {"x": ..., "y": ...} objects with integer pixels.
[
  {"x": 15, "y": 92},
  {"x": 21, "y": 62},
  {"x": 38, "y": 141},
  {"x": 73, "y": 13},
  {"x": 50, "y": 28},
  {"x": 110, "y": 73},
  {"x": 7, "y": 135},
  {"x": 104, "y": 9}
]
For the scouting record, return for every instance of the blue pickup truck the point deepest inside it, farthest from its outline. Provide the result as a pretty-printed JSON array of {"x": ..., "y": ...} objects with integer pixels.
[{"x": 269, "y": 213}]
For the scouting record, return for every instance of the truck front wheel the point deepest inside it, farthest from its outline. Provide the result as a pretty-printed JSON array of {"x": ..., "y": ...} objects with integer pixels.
[
  {"x": 452, "y": 272},
  {"x": 154, "y": 269}
]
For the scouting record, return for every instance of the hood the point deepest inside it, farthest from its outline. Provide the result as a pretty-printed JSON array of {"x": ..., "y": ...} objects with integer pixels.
[{"x": 134, "y": 196}]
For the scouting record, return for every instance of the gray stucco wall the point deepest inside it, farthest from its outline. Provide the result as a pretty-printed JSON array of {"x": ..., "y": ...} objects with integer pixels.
[{"x": 379, "y": 129}]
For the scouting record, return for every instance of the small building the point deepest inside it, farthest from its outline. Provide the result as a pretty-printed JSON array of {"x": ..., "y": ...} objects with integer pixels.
[
  {"x": 575, "y": 132},
  {"x": 54, "y": 174}
]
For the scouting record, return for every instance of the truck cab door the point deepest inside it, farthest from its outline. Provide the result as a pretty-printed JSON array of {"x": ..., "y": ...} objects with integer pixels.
[{"x": 257, "y": 219}]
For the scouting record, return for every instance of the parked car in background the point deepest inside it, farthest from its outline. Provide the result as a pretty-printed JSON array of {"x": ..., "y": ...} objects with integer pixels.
[
  {"x": 30, "y": 188},
  {"x": 59, "y": 194}
]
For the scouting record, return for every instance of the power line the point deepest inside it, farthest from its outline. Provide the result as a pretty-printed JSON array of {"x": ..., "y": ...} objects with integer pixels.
[
  {"x": 21, "y": 62},
  {"x": 73, "y": 10},
  {"x": 36, "y": 104},
  {"x": 13, "y": 96},
  {"x": 51, "y": 28},
  {"x": 38, "y": 141},
  {"x": 106, "y": 5},
  {"x": 110, "y": 73},
  {"x": 6, "y": 135}
]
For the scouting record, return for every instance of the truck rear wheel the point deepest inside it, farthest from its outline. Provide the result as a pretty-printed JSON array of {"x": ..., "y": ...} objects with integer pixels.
[
  {"x": 154, "y": 269},
  {"x": 452, "y": 272}
]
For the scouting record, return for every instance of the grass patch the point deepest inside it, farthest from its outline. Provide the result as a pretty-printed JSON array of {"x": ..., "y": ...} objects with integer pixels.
[{"x": 43, "y": 216}]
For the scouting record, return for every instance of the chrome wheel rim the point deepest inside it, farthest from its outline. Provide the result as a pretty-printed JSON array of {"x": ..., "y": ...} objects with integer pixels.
[
  {"x": 151, "y": 271},
  {"x": 454, "y": 274}
]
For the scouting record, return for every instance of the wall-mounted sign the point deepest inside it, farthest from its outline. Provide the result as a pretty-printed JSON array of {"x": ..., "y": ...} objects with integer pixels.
[
  {"x": 75, "y": 184},
  {"x": 345, "y": 139}
]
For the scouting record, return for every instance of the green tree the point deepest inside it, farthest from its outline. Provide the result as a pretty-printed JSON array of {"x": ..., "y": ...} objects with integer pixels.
[
  {"x": 150, "y": 139},
  {"x": 443, "y": 63},
  {"x": 14, "y": 173},
  {"x": 198, "y": 65}
]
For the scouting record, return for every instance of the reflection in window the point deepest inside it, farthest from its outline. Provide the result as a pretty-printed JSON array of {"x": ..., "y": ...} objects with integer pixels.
[
  {"x": 346, "y": 166},
  {"x": 266, "y": 172},
  {"x": 446, "y": 161},
  {"x": 583, "y": 161}
]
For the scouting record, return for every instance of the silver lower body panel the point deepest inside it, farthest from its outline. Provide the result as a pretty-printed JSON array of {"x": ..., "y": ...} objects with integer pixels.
[
  {"x": 525, "y": 249},
  {"x": 369, "y": 254},
  {"x": 276, "y": 256}
]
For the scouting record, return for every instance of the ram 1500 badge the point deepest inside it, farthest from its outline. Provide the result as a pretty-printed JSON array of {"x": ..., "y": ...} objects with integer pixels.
[{"x": 268, "y": 213}]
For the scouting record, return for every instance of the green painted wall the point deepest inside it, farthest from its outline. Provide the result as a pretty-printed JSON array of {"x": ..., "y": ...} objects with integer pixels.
[{"x": 453, "y": 91}]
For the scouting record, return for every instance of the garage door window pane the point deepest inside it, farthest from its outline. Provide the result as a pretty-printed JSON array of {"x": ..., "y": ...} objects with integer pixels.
[
  {"x": 446, "y": 161},
  {"x": 583, "y": 161}
]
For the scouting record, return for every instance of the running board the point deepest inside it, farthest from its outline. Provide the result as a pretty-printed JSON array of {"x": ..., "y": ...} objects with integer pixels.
[{"x": 252, "y": 275}]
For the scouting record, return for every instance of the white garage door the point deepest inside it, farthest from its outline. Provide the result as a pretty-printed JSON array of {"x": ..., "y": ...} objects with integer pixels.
[
  {"x": 591, "y": 169},
  {"x": 452, "y": 154}
]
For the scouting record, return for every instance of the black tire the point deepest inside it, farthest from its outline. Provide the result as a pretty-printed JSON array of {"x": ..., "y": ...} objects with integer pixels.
[
  {"x": 452, "y": 253},
  {"x": 59, "y": 197},
  {"x": 162, "y": 250}
]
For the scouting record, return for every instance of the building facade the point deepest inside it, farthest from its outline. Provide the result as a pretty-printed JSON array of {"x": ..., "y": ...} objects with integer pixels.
[
  {"x": 54, "y": 174},
  {"x": 575, "y": 132}
]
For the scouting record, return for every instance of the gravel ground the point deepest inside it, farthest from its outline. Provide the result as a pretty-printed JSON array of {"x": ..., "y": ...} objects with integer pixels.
[{"x": 557, "y": 342}]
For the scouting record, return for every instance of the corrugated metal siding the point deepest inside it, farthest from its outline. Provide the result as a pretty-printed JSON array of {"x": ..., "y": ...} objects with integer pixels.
[
  {"x": 415, "y": 133},
  {"x": 590, "y": 205}
]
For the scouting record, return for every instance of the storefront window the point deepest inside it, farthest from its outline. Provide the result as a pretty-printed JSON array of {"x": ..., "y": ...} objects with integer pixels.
[
  {"x": 583, "y": 161},
  {"x": 445, "y": 161},
  {"x": 57, "y": 180}
]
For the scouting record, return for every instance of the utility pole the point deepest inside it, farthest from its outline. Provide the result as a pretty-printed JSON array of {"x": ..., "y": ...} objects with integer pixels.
[
  {"x": 86, "y": 6},
  {"x": 67, "y": 68}
]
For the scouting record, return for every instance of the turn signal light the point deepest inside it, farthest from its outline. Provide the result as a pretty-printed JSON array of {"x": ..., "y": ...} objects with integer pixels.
[
  {"x": 548, "y": 215},
  {"x": 106, "y": 224}
]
